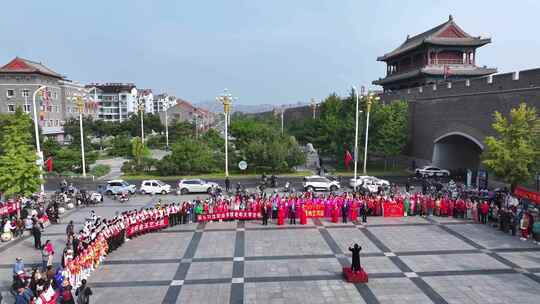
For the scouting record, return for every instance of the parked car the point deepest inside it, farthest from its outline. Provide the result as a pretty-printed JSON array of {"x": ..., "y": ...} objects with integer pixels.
[
  {"x": 316, "y": 182},
  {"x": 368, "y": 180},
  {"x": 186, "y": 186},
  {"x": 119, "y": 186},
  {"x": 432, "y": 171},
  {"x": 154, "y": 186}
]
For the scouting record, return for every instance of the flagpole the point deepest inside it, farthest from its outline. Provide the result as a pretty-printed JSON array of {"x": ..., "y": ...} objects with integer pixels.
[{"x": 356, "y": 140}]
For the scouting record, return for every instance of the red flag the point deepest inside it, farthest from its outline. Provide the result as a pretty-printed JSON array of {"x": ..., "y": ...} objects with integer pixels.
[
  {"x": 348, "y": 158},
  {"x": 49, "y": 163}
]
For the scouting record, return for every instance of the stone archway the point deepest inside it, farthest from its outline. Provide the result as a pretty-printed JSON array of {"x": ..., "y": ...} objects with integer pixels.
[{"x": 457, "y": 150}]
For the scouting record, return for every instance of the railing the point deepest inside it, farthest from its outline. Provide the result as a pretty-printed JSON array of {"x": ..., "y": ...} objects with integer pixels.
[{"x": 447, "y": 61}]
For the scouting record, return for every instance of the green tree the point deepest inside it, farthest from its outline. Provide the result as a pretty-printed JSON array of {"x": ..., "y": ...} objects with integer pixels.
[
  {"x": 514, "y": 152},
  {"x": 388, "y": 131},
  {"x": 139, "y": 151},
  {"x": 120, "y": 146},
  {"x": 261, "y": 144},
  {"x": 190, "y": 156},
  {"x": 19, "y": 173}
]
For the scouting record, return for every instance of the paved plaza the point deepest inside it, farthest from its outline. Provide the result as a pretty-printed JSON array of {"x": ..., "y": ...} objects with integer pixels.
[{"x": 409, "y": 260}]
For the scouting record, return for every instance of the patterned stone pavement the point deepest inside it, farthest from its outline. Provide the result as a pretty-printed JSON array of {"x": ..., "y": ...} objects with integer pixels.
[{"x": 409, "y": 260}]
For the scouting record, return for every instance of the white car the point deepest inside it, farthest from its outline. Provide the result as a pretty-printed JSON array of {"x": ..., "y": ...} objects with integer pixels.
[
  {"x": 368, "y": 180},
  {"x": 154, "y": 186},
  {"x": 316, "y": 182},
  {"x": 186, "y": 186},
  {"x": 431, "y": 171}
]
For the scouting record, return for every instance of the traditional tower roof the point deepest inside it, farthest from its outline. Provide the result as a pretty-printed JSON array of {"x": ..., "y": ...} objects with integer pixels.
[
  {"x": 448, "y": 33},
  {"x": 20, "y": 65}
]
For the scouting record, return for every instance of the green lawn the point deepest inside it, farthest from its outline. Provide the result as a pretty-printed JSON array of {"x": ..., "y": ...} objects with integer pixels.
[
  {"x": 235, "y": 175},
  {"x": 211, "y": 176}
]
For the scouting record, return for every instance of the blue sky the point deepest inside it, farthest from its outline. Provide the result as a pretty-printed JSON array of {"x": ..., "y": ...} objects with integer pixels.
[{"x": 264, "y": 51}]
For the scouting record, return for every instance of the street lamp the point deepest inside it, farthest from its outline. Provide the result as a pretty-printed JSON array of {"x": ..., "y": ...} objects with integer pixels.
[
  {"x": 314, "y": 106},
  {"x": 226, "y": 99},
  {"x": 282, "y": 114},
  {"x": 80, "y": 106},
  {"x": 370, "y": 98},
  {"x": 166, "y": 105},
  {"x": 140, "y": 109},
  {"x": 36, "y": 130}
]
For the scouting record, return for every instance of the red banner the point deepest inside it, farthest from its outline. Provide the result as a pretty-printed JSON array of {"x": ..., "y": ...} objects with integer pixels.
[
  {"x": 314, "y": 210},
  {"x": 229, "y": 215},
  {"x": 10, "y": 208},
  {"x": 533, "y": 196},
  {"x": 149, "y": 225},
  {"x": 393, "y": 210}
]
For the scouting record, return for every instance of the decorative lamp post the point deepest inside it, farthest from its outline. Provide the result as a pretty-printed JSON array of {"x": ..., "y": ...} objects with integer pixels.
[
  {"x": 80, "y": 106},
  {"x": 226, "y": 99},
  {"x": 167, "y": 104},
  {"x": 36, "y": 130},
  {"x": 314, "y": 106},
  {"x": 370, "y": 98},
  {"x": 282, "y": 114},
  {"x": 140, "y": 107}
]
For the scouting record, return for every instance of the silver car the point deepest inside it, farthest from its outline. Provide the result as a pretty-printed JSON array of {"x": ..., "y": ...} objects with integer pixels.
[
  {"x": 119, "y": 186},
  {"x": 186, "y": 186}
]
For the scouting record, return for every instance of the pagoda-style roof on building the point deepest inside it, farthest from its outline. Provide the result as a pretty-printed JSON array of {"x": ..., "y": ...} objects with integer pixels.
[
  {"x": 448, "y": 33},
  {"x": 436, "y": 71},
  {"x": 21, "y": 65}
]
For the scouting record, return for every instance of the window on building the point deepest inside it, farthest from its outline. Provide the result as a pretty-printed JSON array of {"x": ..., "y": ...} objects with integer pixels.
[
  {"x": 25, "y": 92},
  {"x": 27, "y": 108},
  {"x": 10, "y": 93},
  {"x": 49, "y": 109},
  {"x": 11, "y": 108},
  {"x": 50, "y": 122},
  {"x": 124, "y": 97},
  {"x": 55, "y": 95}
]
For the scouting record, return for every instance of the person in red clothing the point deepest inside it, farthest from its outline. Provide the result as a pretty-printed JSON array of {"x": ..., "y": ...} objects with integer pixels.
[
  {"x": 335, "y": 214},
  {"x": 303, "y": 215},
  {"x": 484, "y": 209},
  {"x": 281, "y": 215}
]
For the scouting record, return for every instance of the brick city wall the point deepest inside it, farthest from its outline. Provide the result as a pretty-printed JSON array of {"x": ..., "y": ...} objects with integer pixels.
[{"x": 461, "y": 106}]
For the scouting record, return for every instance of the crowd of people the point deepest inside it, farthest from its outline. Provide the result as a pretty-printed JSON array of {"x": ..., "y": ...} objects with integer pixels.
[{"x": 87, "y": 248}]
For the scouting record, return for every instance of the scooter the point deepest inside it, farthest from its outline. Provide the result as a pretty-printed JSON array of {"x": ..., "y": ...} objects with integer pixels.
[{"x": 124, "y": 197}]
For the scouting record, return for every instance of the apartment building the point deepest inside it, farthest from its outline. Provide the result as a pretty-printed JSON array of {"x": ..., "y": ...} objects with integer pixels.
[
  {"x": 19, "y": 80},
  {"x": 116, "y": 101}
]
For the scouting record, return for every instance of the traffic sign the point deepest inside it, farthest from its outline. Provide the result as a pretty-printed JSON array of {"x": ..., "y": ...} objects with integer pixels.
[{"x": 242, "y": 165}]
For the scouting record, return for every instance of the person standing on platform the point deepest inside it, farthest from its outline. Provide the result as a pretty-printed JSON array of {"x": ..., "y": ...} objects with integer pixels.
[{"x": 355, "y": 250}]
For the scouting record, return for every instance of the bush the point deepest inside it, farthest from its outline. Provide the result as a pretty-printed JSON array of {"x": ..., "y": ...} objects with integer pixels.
[{"x": 100, "y": 170}]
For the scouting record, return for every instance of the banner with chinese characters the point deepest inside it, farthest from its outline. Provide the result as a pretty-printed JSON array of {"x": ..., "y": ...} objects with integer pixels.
[
  {"x": 9, "y": 208},
  {"x": 229, "y": 215},
  {"x": 314, "y": 210},
  {"x": 392, "y": 210}
]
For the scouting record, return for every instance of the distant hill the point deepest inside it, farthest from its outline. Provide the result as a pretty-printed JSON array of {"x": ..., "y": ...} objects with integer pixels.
[{"x": 214, "y": 106}]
